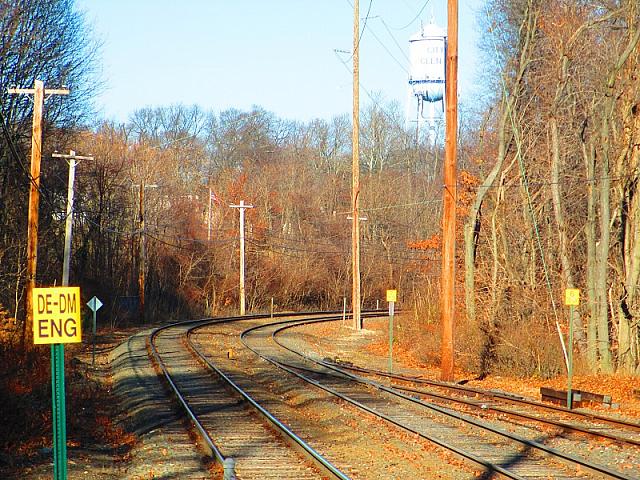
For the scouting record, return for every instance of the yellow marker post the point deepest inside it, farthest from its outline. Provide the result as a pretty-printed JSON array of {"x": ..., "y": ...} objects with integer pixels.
[
  {"x": 571, "y": 299},
  {"x": 392, "y": 296}
]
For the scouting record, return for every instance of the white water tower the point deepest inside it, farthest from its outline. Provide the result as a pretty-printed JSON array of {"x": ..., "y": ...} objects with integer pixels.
[{"x": 427, "y": 53}]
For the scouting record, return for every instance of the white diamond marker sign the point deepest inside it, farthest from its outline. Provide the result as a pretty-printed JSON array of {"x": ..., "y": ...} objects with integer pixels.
[{"x": 94, "y": 304}]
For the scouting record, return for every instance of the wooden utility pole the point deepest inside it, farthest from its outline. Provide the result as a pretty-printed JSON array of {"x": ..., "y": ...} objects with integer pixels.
[
  {"x": 242, "y": 207},
  {"x": 68, "y": 230},
  {"x": 209, "y": 218},
  {"x": 447, "y": 303},
  {"x": 355, "y": 172},
  {"x": 38, "y": 91},
  {"x": 141, "y": 252}
]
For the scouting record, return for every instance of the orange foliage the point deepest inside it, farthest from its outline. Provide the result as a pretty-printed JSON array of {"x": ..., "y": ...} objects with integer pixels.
[
  {"x": 467, "y": 184},
  {"x": 466, "y": 192},
  {"x": 560, "y": 19},
  {"x": 432, "y": 243},
  {"x": 274, "y": 205},
  {"x": 235, "y": 187}
]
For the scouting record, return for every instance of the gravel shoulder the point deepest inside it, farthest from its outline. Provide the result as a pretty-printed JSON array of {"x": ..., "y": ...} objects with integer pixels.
[{"x": 144, "y": 438}]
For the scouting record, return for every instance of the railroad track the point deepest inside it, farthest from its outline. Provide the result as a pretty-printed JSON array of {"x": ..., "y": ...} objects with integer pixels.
[
  {"x": 478, "y": 440},
  {"x": 249, "y": 446},
  {"x": 342, "y": 434},
  {"x": 568, "y": 420},
  {"x": 242, "y": 425}
]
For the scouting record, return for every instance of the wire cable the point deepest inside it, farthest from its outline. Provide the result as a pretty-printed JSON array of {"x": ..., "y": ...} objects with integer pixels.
[
  {"x": 25, "y": 170},
  {"x": 389, "y": 51},
  {"x": 366, "y": 18},
  {"x": 402, "y": 50},
  {"x": 414, "y": 18}
]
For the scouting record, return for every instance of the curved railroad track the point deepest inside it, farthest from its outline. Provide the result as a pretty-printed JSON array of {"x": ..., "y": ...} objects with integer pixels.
[
  {"x": 251, "y": 447},
  {"x": 253, "y": 379}
]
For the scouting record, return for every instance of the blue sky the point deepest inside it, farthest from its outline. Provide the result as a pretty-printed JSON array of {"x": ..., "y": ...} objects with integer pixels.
[{"x": 278, "y": 54}]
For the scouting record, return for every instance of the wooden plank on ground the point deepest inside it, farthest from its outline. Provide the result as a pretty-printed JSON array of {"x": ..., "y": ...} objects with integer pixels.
[{"x": 580, "y": 397}]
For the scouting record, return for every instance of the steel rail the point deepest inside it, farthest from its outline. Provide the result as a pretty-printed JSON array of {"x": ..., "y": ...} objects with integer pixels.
[
  {"x": 491, "y": 408},
  {"x": 487, "y": 407},
  {"x": 489, "y": 467},
  {"x": 500, "y": 396},
  {"x": 292, "y": 439},
  {"x": 567, "y": 458},
  {"x": 211, "y": 449}
]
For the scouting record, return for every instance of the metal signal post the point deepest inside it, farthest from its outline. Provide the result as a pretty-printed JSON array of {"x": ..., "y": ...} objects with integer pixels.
[{"x": 57, "y": 349}]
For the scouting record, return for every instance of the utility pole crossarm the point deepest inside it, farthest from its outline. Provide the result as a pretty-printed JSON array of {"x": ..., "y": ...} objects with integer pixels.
[
  {"x": 47, "y": 91},
  {"x": 71, "y": 155}
]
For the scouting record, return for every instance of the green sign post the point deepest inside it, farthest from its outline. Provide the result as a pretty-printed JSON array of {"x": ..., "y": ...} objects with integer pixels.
[
  {"x": 56, "y": 321},
  {"x": 59, "y": 412},
  {"x": 94, "y": 304}
]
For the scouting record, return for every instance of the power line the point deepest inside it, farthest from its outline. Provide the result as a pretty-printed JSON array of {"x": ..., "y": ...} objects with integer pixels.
[
  {"x": 192, "y": 240},
  {"x": 567, "y": 182},
  {"x": 378, "y": 40},
  {"x": 414, "y": 18},
  {"x": 366, "y": 18},
  {"x": 389, "y": 51},
  {"x": 373, "y": 100},
  {"x": 12, "y": 147},
  {"x": 295, "y": 249},
  {"x": 305, "y": 241},
  {"x": 402, "y": 50},
  {"x": 398, "y": 259}
]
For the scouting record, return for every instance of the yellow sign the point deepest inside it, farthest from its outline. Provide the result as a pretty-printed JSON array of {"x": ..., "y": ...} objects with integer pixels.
[
  {"x": 56, "y": 315},
  {"x": 392, "y": 295},
  {"x": 572, "y": 297}
]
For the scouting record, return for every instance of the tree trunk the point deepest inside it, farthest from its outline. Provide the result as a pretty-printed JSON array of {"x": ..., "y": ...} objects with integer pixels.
[
  {"x": 590, "y": 235},
  {"x": 490, "y": 325},
  {"x": 602, "y": 268},
  {"x": 630, "y": 223},
  {"x": 567, "y": 271},
  {"x": 602, "y": 250},
  {"x": 472, "y": 227}
]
